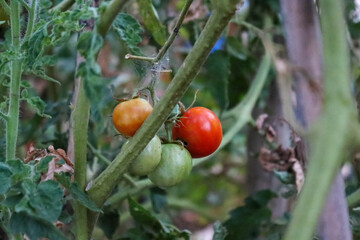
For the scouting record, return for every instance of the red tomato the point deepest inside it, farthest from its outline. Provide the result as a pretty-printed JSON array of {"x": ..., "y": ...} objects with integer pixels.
[
  {"x": 128, "y": 116},
  {"x": 200, "y": 130}
]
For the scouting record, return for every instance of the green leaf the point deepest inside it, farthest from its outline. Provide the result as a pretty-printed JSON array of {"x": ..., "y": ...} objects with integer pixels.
[
  {"x": 152, "y": 22},
  {"x": 129, "y": 30},
  {"x": 43, "y": 165},
  {"x": 109, "y": 222},
  {"x": 220, "y": 231},
  {"x": 5, "y": 178},
  {"x": 246, "y": 221},
  {"x": 152, "y": 227},
  {"x": 20, "y": 170},
  {"x": 37, "y": 104},
  {"x": 89, "y": 44},
  {"x": 218, "y": 72},
  {"x": 47, "y": 200},
  {"x": 77, "y": 194},
  {"x": 285, "y": 177},
  {"x": 34, "y": 227}
]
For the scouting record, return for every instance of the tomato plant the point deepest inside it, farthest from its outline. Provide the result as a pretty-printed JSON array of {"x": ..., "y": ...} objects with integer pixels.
[
  {"x": 148, "y": 159},
  {"x": 128, "y": 116},
  {"x": 200, "y": 130},
  {"x": 175, "y": 166}
]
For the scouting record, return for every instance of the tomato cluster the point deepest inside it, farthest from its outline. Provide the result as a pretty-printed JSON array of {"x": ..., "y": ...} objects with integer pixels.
[{"x": 198, "y": 130}]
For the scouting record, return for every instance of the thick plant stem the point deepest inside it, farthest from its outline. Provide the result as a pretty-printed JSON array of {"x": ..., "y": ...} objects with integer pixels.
[
  {"x": 13, "y": 114},
  {"x": 63, "y": 6},
  {"x": 330, "y": 141},
  {"x": 105, "y": 183},
  {"x": 32, "y": 19},
  {"x": 109, "y": 15},
  {"x": 80, "y": 117}
]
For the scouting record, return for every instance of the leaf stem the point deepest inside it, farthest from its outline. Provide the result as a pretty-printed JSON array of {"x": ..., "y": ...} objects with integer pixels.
[
  {"x": 4, "y": 116},
  {"x": 353, "y": 198},
  {"x": 63, "y": 6},
  {"x": 32, "y": 18},
  {"x": 170, "y": 40},
  {"x": 330, "y": 142},
  {"x": 13, "y": 114},
  {"x": 109, "y": 15},
  {"x": 5, "y": 6}
]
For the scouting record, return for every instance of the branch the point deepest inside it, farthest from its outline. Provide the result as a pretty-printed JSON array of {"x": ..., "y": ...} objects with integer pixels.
[
  {"x": 63, "y": 6},
  {"x": 32, "y": 18},
  {"x": 107, "y": 181},
  {"x": 26, "y": 5},
  {"x": 5, "y": 6},
  {"x": 170, "y": 39},
  {"x": 4, "y": 116},
  {"x": 109, "y": 15},
  {"x": 332, "y": 130}
]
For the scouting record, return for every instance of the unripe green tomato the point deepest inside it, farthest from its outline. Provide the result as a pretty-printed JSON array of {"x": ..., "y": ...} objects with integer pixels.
[
  {"x": 148, "y": 159},
  {"x": 174, "y": 167}
]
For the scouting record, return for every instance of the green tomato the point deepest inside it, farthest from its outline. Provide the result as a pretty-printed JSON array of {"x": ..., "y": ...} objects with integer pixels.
[
  {"x": 174, "y": 167},
  {"x": 148, "y": 159}
]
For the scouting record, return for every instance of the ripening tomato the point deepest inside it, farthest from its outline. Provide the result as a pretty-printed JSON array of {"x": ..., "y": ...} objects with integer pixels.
[
  {"x": 148, "y": 159},
  {"x": 200, "y": 130},
  {"x": 128, "y": 116},
  {"x": 175, "y": 165}
]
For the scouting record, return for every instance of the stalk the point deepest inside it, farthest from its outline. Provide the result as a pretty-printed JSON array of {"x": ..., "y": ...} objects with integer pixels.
[
  {"x": 332, "y": 132},
  {"x": 13, "y": 114}
]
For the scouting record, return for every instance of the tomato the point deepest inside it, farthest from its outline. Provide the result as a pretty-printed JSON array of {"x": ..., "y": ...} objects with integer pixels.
[
  {"x": 128, "y": 116},
  {"x": 175, "y": 165},
  {"x": 200, "y": 130},
  {"x": 148, "y": 159}
]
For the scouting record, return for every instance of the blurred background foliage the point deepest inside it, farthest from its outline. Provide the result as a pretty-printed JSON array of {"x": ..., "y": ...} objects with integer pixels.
[{"x": 215, "y": 187}]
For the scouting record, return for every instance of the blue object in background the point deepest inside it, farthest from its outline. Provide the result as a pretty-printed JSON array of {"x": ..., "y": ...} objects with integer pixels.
[{"x": 219, "y": 45}]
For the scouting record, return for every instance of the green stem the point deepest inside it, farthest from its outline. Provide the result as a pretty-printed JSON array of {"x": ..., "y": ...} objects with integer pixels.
[
  {"x": 32, "y": 19},
  {"x": 105, "y": 183},
  {"x": 170, "y": 40},
  {"x": 63, "y": 6},
  {"x": 121, "y": 195},
  {"x": 353, "y": 198},
  {"x": 329, "y": 145},
  {"x": 3, "y": 116},
  {"x": 13, "y": 114},
  {"x": 109, "y": 15},
  {"x": 5, "y": 6},
  {"x": 80, "y": 117}
]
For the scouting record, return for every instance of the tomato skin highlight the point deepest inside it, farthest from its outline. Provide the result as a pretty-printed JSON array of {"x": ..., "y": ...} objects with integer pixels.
[
  {"x": 200, "y": 130},
  {"x": 128, "y": 116},
  {"x": 175, "y": 165}
]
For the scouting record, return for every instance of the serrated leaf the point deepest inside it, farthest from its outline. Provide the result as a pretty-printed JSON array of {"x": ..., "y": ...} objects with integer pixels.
[
  {"x": 41, "y": 74},
  {"x": 89, "y": 44},
  {"x": 34, "y": 227},
  {"x": 78, "y": 195},
  {"x": 220, "y": 231},
  {"x": 129, "y": 30},
  {"x": 38, "y": 104},
  {"x": 47, "y": 200},
  {"x": 25, "y": 84},
  {"x": 43, "y": 165},
  {"x": 141, "y": 215},
  {"x": 5, "y": 178},
  {"x": 285, "y": 177},
  {"x": 218, "y": 72},
  {"x": 20, "y": 170},
  {"x": 152, "y": 22}
]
